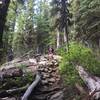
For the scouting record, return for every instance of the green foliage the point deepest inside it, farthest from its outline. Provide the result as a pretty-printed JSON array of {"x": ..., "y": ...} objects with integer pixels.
[
  {"x": 61, "y": 12},
  {"x": 27, "y": 26},
  {"x": 24, "y": 37},
  {"x": 9, "y": 25},
  {"x": 17, "y": 81},
  {"x": 27, "y": 78},
  {"x": 21, "y": 81},
  {"x": 87, "y": 20},
  {"x": 22, "y": 66},
  {"x": 43, "y": 27},
  {"x": 78, "y": 54}
]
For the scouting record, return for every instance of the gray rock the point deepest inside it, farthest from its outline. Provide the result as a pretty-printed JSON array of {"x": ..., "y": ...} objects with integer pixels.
[
  {"x": 46, "y": 75},
  {"x": 57, "y": 96},
  {"x": 44, "y": 82},
  {"x": 51, "y": 80}
]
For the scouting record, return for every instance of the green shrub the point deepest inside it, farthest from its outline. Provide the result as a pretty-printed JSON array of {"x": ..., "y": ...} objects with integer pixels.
[
  {"x": 22, "y": 66},
  {"x": 78, "y": 54}
]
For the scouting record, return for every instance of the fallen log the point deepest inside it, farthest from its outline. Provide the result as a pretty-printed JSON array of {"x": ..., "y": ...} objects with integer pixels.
[
  {"x": 92, "y": 82},
  {"x": 31, "y": 87},
  {"x": 15, "y": 64},
  {"x": 18, "y": 62},
  {"x": 11, "y": 72},
  {"x": 12, "y": 92}
]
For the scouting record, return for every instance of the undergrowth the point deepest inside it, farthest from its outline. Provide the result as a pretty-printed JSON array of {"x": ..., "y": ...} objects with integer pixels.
[{"x": 78, "y": 54}]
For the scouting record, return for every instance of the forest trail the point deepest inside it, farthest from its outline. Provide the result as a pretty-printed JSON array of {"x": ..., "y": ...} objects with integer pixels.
[{"x": 50, "y": 86}]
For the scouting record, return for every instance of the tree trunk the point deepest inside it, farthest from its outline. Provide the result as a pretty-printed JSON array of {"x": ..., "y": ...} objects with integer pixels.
[
  {"x": 14, "y": 21},
  {"x": 65, "y": 37},
  {"x": 58, "y": 38},
  {"x": 3, "y": 14},
  {"x": 99, "y": 43}
]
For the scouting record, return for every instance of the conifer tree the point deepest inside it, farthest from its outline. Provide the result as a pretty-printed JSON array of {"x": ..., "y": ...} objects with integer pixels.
[
  {"x": 4, "y": 4},
  {"x": 60, "y": 10}
]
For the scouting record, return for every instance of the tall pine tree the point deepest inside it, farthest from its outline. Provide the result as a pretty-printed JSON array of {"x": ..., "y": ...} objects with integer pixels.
[{"x": 60, "y": 10}]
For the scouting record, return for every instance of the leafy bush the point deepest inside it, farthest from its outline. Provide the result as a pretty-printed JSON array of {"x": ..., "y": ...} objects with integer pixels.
[{"x": 78, "y": 54}]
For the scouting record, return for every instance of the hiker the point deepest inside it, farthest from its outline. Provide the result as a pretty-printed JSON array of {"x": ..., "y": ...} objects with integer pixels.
[
  {"x": 10, "y": 54},
  {"x": 50, "y": 53}
]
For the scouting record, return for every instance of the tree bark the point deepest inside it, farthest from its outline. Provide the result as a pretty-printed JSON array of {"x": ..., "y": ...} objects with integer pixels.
[
  {"x": 92, "y": 82},
  {"x": 12, "y": 92},
  {"x": 3, "y": 14},
  {"x": 10, "y": 73},
  {"x": 65, "y": 37},
  {"x": 58, "y": 38}
]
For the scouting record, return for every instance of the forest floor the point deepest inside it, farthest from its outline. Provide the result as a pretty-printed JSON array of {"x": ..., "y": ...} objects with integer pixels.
[
  {"x": 50, "y": 86},
  {"x": 17, "y": 76}
]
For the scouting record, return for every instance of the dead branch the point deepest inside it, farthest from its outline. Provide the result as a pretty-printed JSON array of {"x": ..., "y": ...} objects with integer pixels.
[
  {"x": 31, "y": 87},
  {"x": 7, "y": 93}
]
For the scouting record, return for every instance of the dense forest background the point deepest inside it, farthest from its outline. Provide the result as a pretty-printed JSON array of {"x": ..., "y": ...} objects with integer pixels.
[{"x": 71, "y": 27}]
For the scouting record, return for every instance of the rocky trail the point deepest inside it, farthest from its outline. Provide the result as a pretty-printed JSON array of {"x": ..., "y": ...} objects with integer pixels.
[
  {"x": 38, "y": 78},
  {"x": 49, "y": 87}
]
